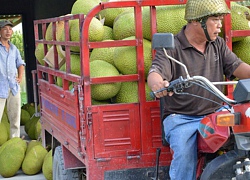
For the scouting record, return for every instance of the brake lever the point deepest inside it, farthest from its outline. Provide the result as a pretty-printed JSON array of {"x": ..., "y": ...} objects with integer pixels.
[{"x": 172, "y": 86}]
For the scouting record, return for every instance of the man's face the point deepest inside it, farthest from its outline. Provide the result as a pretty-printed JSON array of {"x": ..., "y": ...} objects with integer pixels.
[
  {"x": 214, "y": 25},
  {"x": 6, "y": 32}
]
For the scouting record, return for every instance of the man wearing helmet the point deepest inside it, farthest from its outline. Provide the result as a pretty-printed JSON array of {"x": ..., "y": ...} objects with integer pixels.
[{"x": 199, "y": 47}]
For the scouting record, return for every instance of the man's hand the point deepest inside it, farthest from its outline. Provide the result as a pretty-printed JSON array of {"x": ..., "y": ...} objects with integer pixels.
[{"x": 159, "y": 86}]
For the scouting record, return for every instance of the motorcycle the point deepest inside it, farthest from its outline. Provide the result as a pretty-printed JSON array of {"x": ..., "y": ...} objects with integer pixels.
[{"x": 223, "y": 137}]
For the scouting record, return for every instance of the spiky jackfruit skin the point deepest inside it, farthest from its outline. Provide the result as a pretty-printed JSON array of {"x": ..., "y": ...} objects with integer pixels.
[
  {"x": 124, "y": 26},
  {"x": 83, "y": 6},
  {"x": 169, "y": 19},
  {"x": 105, "y": 54},
  {"x": 31, "y": 144},
  {"x": 108, "y": 33},
  {"x": 99, "y": 68},
  {"x": 12, "y": 154},
  {"x": 129, "y": 93},
  {"x": 47, "y": 167},
  {"x": 4, "y": 134},
  {"x": 25, "y": 116},
  {"x": 75, "y": 67},
  {"x": 239, "y": 20},
  {"x": 6, "y": 122},
  {"x": 125, "y": 58},
  {"x": 33, "y": 160},
  {"x": 111, "y": 14},
  {"x": 241, "y": 49}
]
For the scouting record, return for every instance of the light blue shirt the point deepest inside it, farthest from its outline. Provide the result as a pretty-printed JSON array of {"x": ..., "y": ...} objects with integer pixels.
[{"x": 9, "y": 63}]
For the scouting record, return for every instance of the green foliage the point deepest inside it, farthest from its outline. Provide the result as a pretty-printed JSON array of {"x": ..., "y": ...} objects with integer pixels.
[{"x": 17, "y": 40}]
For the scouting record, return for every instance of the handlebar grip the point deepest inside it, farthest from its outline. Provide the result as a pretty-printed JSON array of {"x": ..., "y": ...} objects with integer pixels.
[{"x": 152, "y": 93}]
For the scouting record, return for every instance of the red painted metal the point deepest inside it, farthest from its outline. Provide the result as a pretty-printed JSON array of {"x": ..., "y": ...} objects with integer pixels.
[
  {"x": 103, "y": 137},
  {"x": 212, "y": 136}
]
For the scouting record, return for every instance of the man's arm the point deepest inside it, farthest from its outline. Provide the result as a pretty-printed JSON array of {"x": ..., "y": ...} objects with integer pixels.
[
  {"x": 20, "y": 71},
  {"x": 155, "y": 82},
  {"x": 243, "y": 71}
]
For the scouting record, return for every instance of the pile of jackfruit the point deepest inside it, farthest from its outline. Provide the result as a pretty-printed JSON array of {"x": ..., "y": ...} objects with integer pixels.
[
  {"x": 24, "y": 153},
  {"x": 29, "y": 156}
]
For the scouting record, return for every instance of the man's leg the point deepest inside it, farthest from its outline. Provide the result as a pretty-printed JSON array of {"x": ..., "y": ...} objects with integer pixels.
[
  {"x": 14, "y": 113},
  {"x": 2, "y": 105},
  {"x": 181, "y": 133}
]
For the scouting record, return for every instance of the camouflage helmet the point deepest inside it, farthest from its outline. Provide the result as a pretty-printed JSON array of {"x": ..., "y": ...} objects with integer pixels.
[{"x": 197, "y": 9}]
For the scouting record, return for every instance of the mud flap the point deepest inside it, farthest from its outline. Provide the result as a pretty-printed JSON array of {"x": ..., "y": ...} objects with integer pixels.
[{"x": 221, "y": 168}]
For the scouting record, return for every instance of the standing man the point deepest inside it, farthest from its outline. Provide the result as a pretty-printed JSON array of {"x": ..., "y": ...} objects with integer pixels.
[
  {"x": 200, "y": 48},
  {"x": 11, "y": 73}
]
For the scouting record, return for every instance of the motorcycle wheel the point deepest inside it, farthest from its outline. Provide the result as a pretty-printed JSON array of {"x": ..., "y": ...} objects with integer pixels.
[{"x": 221, "y": 168}]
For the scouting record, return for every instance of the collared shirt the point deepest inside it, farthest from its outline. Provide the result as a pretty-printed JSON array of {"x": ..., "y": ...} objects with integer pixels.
[
  {"x": 10, "y": 61},
  {"x": 216, "y": 63}
]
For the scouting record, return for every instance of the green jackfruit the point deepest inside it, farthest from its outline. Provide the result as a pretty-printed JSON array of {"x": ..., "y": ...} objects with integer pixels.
[
  {"x": 47, "y": 167},
  {"x": 75, "y": 67},
  {"x": 4, "y": 134},
  {"x": 99, "y": 68},
  {"x": 6, "y": 122},
  {"x": 111, "y": 14},
  {"x": 240, "y": 48},
  {"x": 124, "y": 26},
  {"x": 125, "y": 58},
  {"x": 12, "y": 156},
  {"x": 32, "y": 143},
  {"x": 25, "y": 116},
  {"x": 169, "y": 19},
  {"x": 33, "y": 160},
  {"x": 105, "y": 54},
  {"x": 83, "y": 6},
  {"x": 108, "y": 33},
  {"x": 129, "y": 93}
]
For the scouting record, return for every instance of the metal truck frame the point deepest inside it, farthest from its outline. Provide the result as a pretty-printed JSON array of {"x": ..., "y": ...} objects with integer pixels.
[{"x": 111, "y": 141}]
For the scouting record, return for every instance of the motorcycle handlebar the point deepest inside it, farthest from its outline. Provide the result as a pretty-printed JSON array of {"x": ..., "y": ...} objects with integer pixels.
[{"x": 179, "y": 84}]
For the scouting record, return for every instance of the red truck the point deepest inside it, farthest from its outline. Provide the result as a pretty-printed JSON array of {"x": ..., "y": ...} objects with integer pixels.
[{"x": 111, "y": 141}]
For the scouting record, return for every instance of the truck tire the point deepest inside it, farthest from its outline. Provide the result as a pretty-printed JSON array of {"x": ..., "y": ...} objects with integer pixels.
[
  {"x": 59, "y": 173},
  {"x": 221, "y": 168}
]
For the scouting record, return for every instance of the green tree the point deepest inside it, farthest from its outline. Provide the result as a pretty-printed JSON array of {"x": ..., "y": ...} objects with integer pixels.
[{"x": 17, "y": 39}]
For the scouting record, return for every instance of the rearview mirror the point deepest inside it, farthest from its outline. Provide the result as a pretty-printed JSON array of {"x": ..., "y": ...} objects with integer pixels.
[{"x": 163, "y": 40}]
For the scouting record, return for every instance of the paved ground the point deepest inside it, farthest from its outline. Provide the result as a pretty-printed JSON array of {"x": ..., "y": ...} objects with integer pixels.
[{"x": 20, "y": 175}]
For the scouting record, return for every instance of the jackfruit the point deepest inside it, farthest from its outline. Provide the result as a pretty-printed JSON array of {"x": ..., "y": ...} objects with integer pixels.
[
  {"x": 30, "y": 107},
  {"x": 12, "y": 154},
  {"x": 95, "y": 102},
  {"x": 110, "y": 15},
  {"x": 240, "y": 48},
  {"x": 169, "y": 19},
  {"x": 32, "y": 143},
  {"x": 39, "y": 53},
  {"x": 99, "y": 68},
  {"x": 75, "y": 67},
  {"x": 125, "y": 58},
  {"x": 30, "y": 127},
  {"x": 6, "y": 122},
  {"x": 124, "y": 26},
  {"x": 33, "y": 160},
  {"x": 83, "y": 6},
  {"x": 59, "y": 31},
  {"x": 25, "y": 116},
  {"x": 239, "y": 18},
  {"x": 96, "y": 32},
  {"x": 129, "y": 93},
  {"x": 4, "y": 134},
  {"x": 35, "y": 128},
  {"x": 105, "y": 54},
  {"x": 47, "y": 167},
  {"x": 108, "y": 33}
]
